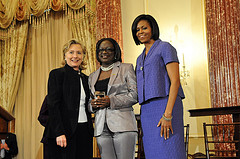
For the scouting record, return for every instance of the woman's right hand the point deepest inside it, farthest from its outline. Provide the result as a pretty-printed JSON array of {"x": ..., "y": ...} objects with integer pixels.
[{"x": 61, "y": 141}]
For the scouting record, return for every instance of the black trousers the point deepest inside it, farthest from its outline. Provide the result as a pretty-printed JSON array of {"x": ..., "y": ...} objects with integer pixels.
[{"x": 79, "y": 146}]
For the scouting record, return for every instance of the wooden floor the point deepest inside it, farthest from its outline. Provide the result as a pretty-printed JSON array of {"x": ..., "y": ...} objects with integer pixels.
[{"x": 100, "y": 158}]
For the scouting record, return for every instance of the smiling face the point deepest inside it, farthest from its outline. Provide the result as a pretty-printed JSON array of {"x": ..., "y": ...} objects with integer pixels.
[
  {"x": 74, "y": 56},
  {"x": 144, "y": 32},
  {"x": 106, "y": 53}
]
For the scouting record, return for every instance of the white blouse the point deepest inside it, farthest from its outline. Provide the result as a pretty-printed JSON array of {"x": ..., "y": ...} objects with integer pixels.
[{"x": 82, "y": 117}]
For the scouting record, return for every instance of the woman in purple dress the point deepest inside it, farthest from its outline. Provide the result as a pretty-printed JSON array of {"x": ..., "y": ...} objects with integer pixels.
[{"x": 159, "y": 91}]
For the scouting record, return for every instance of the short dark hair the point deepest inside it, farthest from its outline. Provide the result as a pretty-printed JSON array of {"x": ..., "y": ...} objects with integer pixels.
[
  {"x": 153, "y": 25},
  {"x": 117, "y": 50}
]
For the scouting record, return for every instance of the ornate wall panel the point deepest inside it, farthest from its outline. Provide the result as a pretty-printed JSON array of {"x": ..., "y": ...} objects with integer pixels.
[
  {"x": 109, "y": 20},
  {"x": 223, "y": 36},
  {"x": 223, "y": 26}
]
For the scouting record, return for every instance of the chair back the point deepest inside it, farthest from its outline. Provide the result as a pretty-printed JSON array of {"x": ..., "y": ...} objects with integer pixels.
[
  {"x": 221, "y": 140},
  {"x": 139, "y": 145},
  {"x": 186, "y": 140}
]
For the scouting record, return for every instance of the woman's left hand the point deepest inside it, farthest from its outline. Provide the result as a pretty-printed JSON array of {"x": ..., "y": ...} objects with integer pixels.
[
  {"x": 166, "y": 127},
  {"x": 101, "y": 102}
]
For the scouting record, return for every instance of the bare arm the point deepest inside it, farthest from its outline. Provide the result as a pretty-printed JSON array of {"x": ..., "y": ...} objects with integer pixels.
[{"x": 173, "y": 73}]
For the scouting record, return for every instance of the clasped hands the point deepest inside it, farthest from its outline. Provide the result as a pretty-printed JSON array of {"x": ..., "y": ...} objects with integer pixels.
[
  {"x": 4, "y": 146},
  {"x": 100, "y": 102}
]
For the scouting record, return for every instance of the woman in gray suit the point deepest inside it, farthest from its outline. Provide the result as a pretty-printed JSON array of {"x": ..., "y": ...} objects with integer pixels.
[{"x": 115, "y": 123}]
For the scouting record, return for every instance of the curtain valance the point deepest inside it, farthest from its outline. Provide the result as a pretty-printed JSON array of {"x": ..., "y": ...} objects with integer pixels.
[{"x": 11, "y": 10}]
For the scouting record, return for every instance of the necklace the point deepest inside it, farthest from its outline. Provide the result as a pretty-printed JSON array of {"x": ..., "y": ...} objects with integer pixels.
[{"x": 107, "y": 68}]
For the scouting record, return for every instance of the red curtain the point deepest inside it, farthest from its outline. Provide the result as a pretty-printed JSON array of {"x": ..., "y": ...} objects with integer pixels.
[
  {"x": 223, "y": 36},
  {"x": 223, "y": 31}
]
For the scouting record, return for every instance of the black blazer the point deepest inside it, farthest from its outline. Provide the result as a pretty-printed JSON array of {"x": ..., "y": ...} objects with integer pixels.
[
  {"x": 63, "y": 101},
  {"x": 43, "y": 114},
  {"x": 43, "y": 118},
  {"x": 11, "y": 141}
]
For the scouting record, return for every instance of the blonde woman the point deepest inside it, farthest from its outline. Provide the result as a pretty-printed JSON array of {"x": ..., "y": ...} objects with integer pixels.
[{"x": 69, "y": 129}]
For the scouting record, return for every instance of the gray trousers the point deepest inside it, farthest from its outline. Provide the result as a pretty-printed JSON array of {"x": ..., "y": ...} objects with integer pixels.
[{"x": 117, "y": 145}]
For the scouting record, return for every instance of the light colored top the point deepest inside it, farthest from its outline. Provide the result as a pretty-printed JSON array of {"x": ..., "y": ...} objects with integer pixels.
[
  {"x": 122, "y": 91},
  {"x": 2, "y": 154},
  {"x": 82, "y": 117}
]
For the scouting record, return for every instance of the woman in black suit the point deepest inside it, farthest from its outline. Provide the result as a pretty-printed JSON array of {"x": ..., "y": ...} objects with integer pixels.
[
  {"x": 69, "y": 129},
  {"x": 10, "y": 146},
  {"x": 43, "y": 119}
]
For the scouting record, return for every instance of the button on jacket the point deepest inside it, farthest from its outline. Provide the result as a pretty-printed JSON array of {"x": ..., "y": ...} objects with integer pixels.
[{"x": 151, "y": 72}]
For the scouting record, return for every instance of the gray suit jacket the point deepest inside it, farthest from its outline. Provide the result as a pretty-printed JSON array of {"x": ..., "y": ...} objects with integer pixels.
[{"x": 122, "y": 91}]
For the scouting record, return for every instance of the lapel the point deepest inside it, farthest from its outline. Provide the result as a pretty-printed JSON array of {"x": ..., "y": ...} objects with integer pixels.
[
  {"x": 85, "y": 85},
  {"x": 113, "y": 75},
  {"x": 94, "y": 80},
  {"x": 155, "y": 44}
]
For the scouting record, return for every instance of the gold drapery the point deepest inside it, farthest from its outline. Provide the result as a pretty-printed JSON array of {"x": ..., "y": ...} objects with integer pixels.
[
  {"x": 223, "y": 35},
  {"x": 87, "y": 36},
  {"x": 44, "y": 53},
  {"x": 37, "y": 7},
  {"x": 11, "y": 58},
  {"x": 7, "y": 12},
  {"x": 41, "y": 56},
  {"x": 35, "y": 11},
  {"x": 11, "y": 10}
]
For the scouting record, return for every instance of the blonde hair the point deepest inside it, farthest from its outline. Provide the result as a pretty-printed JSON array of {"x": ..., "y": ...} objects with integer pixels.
[{"x": 66, "y": 48}]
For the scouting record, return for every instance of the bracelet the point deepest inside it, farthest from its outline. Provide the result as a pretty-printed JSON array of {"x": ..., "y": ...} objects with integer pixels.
[{"x": 167, "y": 119}]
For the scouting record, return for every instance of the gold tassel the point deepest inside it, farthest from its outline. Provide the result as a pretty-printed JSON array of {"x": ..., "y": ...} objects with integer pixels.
[
  {"x": 8, "y": 32},
  {"x": 66, "y": 9},
  {"x": 68, "y": 14},
  {"x": 49, "y": 5},
  {"x": 30, "y": 18},
  {"x": 63, "y": 4},
  {"x": 72, "y": 14},
  {"x": 38, "y": 20},
  {"x": 78, "y": 16},
  {"x": 42, "y": 20},
  {"x": 43, "y": 17},
  {"x": 46, "y": 15},
  {"x": 35, "y": 22}
]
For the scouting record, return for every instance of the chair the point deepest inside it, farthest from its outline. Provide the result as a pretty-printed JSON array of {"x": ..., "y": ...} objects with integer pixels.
[
  {"x": 186, "y": 140},
  {"x": 220, "y": 140},
  {"x": 140, "y": 151}
]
